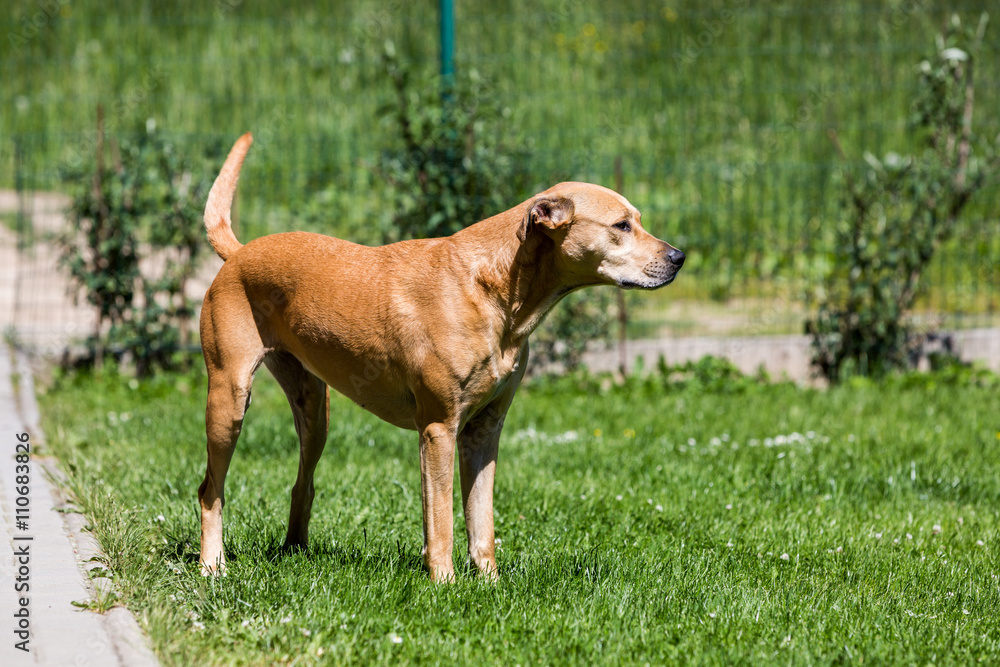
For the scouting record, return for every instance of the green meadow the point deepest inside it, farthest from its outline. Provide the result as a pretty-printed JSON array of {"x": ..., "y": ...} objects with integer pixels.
[{"x": 713, "y": 519}]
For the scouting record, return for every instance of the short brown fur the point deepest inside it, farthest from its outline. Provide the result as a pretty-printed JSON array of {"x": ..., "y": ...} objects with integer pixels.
[{"x": 429, "y": 335}]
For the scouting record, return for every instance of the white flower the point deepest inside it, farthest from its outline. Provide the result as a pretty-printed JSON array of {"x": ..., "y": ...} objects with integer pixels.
[
  {"x": 286, "y": 619},
  {"x": 659, "y": 508},
  {"x": 395, "y": 639},
  {"x": 618, "y": 497},
  {"x": 245, "y": 623},
  {"x": 785, "y": 556},
  {"x": 936, "y": 529},
  {"x": 979, "y": 543},
  {"x": 198, "y": 625}
]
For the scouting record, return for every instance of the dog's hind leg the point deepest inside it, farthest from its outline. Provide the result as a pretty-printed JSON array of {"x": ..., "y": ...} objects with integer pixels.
[
  {"x": 232, "y": 356},
  {"x": 310, "y": 401},
  {"x": 228, "y": 398}
]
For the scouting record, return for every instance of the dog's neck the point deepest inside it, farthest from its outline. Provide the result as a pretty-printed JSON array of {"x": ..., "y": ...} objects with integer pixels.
[{"x": 520, "y": 278}]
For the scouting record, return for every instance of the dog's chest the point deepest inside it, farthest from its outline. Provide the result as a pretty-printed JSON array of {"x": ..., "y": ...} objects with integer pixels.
[{"x": 495, "y": 376}]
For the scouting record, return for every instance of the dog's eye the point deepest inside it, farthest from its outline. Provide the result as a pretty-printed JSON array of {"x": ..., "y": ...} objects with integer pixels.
[{"x": 624, "y": 226}]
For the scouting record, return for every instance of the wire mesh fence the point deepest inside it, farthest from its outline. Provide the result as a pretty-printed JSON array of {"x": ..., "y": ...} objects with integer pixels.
[{"x": 717, "y": 112}]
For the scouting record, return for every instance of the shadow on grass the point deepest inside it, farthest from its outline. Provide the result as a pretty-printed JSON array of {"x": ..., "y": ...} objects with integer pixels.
[{"x": 373, "y": 556}]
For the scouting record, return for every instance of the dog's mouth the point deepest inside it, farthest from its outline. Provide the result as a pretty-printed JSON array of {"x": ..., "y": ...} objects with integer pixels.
[
  {"x": 656, "y": 276},
  {"x": 629, "y": 284}
]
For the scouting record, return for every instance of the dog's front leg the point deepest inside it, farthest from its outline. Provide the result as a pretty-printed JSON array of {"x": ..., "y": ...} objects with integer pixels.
[
  {"x": 437, "y": 472},
  {"x": 478, "y": 444}
]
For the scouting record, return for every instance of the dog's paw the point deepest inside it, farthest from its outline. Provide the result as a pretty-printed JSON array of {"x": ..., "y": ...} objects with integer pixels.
[
  {"x": 213, "y": 571},
  {"x": 441, "y": 575}
]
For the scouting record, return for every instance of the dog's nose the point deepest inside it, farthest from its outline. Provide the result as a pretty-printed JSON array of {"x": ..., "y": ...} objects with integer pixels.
[{"x": 676, "y": 257}]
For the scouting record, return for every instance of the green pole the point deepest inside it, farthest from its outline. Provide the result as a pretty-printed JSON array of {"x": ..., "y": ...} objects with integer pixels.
[{"x": 447, "y": 9}]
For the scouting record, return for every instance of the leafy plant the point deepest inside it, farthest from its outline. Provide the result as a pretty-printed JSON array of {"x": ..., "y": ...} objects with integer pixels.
[
  {"x": 899, "y": 212},
  {"x": 143, "y": 205},
  {"x": 456, "y": 165}
]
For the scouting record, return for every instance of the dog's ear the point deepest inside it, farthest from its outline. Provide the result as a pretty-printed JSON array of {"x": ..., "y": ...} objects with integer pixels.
[{"x": 547, "y": 211}]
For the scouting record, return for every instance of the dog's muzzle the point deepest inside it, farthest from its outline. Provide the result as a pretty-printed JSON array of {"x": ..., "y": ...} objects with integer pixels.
[{"x": 659, "y": 273}]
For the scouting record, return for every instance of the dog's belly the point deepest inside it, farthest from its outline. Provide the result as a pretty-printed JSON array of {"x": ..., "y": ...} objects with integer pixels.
[{"x": 374, "y": 386}]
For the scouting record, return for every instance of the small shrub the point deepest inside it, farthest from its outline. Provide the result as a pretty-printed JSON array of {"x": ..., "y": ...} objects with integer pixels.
[
  {"x": 899, "y": 210},
  {"x": 146, "y": 202},
  {"x": 456, "y": 164}
]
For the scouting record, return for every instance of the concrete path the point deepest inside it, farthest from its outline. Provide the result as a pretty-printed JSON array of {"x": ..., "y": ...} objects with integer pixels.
[
  {"x": 781, "y": 356},
  {"x": 43, "y": 561}
]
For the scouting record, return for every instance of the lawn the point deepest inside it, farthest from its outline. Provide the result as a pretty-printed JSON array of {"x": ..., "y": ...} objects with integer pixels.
[{"x": 714, "y": 520}]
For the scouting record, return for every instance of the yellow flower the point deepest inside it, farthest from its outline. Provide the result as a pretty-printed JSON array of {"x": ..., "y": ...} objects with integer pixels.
[
  {"x": 639, "y": 27},
  {"x": 597, "y": 432},
  {"x": 589, "y": 30},
  {"x": 669, "y": 14},
  {"x": 630, "y": 433},
  {"x": 600, "y": 47}
]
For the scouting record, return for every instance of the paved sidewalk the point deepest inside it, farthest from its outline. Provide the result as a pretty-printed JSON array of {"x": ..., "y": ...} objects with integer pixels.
[{"x": 57, "y": 549}]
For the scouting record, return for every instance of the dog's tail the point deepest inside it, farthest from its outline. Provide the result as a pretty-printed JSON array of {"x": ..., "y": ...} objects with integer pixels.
[{"x": 220, "y": 201}]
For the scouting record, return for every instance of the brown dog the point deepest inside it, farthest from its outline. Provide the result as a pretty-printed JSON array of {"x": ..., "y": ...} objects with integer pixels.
[{"x": 430, "y": 335}]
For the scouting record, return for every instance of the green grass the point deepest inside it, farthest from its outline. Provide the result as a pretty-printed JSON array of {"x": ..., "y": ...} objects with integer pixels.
[{"x": 706, "y": 523}]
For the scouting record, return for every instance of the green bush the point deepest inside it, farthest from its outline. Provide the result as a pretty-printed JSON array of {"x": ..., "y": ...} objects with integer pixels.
[
  {"x": 146, "y": 202},
  {"x": 898, "y": 211},
  {"x": 456, "y": 164}
]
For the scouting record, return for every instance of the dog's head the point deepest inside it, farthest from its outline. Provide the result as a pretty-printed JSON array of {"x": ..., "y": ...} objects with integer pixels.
[{"x": 599, "y": 237}]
